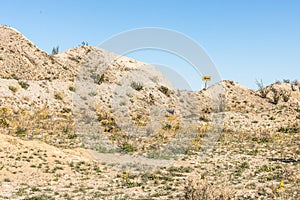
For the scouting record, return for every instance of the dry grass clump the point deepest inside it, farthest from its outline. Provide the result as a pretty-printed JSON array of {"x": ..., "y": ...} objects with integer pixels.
[{"x": 200, "y": 189}]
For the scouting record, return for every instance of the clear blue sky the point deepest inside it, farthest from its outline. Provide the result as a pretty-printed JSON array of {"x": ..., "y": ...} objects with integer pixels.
[{"x": 247, "y": 40}]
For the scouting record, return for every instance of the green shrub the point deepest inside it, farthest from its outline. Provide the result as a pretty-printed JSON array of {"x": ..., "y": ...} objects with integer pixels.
[
  {"x": 20, "y": 131},
  {"x": 6, "y": 180},
  {"x": 13, "y": 88},
  {"x": 14, "y": 76},
  {"x": 72, "y": 88},
  {"x": 58, "y": 96},
  {"x": 23, "y": 85},
  {"x": 127, "y": 147}
]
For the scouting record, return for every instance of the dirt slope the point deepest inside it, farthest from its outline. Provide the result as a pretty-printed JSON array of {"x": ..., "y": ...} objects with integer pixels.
[{"x": 51, "y": 107}]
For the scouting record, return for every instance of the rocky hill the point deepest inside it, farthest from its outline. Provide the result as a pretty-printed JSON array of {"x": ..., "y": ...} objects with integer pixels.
[{"x": 63, "y": 117}]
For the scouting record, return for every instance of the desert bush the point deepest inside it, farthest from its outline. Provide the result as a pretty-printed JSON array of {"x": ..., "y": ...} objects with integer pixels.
[
  {"x": 23, "y": 85},
  {"x": 14, "y": 76},
  {"x": 72, "y": 88},
  {"x": 291, "y": 129},
  {"x": 286, "y": 80},
  {"x": 13, "y": 88},
  {"x": 167, "y": 126},
  {"x": 164, "y": 90},
  {"x": 199, "y": 189},
  {"x": 137, "y": 86},
  {"x": 20, "y": 131},
  {"x": 277, "y": 82},
  {"x": 262, "y": 90},
  {"x": 127, "y": 147},
  {"x": 276, "y": 96},
  {"x": 55, "y": 50},
  {"x": 295, "y": 82},
  {"x": 58, "y": 96},
  {"x": 83, "y": 43},
  {"x": 286, "y": 96},
  {"x": 98, "y": 79}
]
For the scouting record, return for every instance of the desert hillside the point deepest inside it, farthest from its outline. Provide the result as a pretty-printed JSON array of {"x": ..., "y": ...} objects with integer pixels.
[{"x": 87, "y": 123}]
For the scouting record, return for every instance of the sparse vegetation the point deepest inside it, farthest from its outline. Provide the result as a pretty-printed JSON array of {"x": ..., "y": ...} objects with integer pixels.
[
  {"x": 276, "y": 96},
  {"x": 98, "y": 79},
  {"x": 13, "y": 88},
  {"x": 137, "y": 86},
  {"x": 199, "y": 189},
  {"x": 286, "y": 96},
  {"x": 262, "y": 90},
  {"x": 72, "y": 89},
  {"x": 286, "y": 80},
  {"x": 255, "y": 149},
  {"x": 58, "y": 96},
  {"x": 23, "y": 85},
  {"x": 296, "y": 82},
  {"x": 165, "y": 90},
  {"x": 55, "y": 50}
]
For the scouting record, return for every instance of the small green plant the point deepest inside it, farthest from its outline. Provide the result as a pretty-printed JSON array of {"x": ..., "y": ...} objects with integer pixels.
[
  {"x": 286, "y": 80},
  {"x": 66, "y": 110},
  {"x": 35, "y": 189},
  {"x": 127, "y": 147},
  {"x": 58, "y": 96},
  {"x": 72, "y": 88},
  {"x": 23, "y": 85},
  {"x": 137, "y": 86},
  {"x": 272, "y": 118},
  {"x": 167, "y": 127},
  {"x": 6, "y": 180},
  {"x": 14, "y": 76},
  {"x": 92, "y": 94},
  {"x": 20, "y": 131},
  {"x": 13, "y": 88}
]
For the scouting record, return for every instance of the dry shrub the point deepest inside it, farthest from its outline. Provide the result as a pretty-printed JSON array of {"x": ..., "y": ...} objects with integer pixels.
[{"x": 200, "y": 189}]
